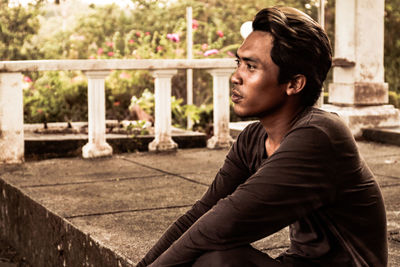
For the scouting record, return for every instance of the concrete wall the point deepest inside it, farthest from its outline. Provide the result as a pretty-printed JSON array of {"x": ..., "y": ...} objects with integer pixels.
[{"x": 45, "y": 238}]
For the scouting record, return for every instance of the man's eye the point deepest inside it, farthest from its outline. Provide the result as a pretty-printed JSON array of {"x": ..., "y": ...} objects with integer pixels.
[
  {"x": 251, "y": 67},
  {"x": 237, "y": 62}
]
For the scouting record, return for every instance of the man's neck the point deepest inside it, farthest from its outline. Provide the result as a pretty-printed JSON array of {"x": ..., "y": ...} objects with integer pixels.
[{"x": 277, "y": 125}]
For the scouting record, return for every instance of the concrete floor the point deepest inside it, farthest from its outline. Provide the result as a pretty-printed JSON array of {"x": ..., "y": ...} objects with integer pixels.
[{"x": 125, "y": 202}]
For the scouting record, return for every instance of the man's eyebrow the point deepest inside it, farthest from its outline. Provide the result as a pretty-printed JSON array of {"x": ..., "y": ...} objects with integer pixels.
[{"x": 247, "y": 58}]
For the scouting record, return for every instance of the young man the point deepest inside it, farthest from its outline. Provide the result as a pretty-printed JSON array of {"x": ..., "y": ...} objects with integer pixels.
[{"x": 298, "y": 166}]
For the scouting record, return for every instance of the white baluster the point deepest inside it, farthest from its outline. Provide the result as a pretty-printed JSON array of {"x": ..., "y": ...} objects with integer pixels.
[
  {"x": 97, "y": 145},
  {"x": 162, "y": 124},
  {"x": 11, "y": 118},
  {"x": 221, "y": 138}
]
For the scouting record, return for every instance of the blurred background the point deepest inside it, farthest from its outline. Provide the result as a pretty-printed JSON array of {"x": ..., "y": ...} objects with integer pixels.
[{"x": 143, "y": 29}]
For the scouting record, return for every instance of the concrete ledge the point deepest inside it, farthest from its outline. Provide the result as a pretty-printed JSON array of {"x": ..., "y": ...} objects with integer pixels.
[
  {"x": 361, "y": 117},
  {"x": 383, "y": 135},
  {"x": 45, "y": 238},
  {"x": 70, "y": 145},
  {"x": 115, "y": 64}
]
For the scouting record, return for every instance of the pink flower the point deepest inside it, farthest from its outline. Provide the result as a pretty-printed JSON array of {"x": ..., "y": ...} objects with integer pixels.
[
  {"x": 92, "y": 57},
  {"x": 109, "y": 44},
  {"x": 195, "y": 24},
  {"x": 174, "y": 37},
  {"x": 100, "y": 51},
  {"x": 27, "y": 79},
  {"x": 159, "y": 48},
  {"x": 230, "y": 54},
  {"x": 131, "y": 41},
  {"x": 110, "y": 54},
  {"x": 125, "y": 75},
  {"x": 138, "y": 34},
  {"x": 210, "y": 52},
  {"x": 204, "y": 47},
  {"x": 39, "y": 110},
  {"x": 147, "y": 33},
  {"x": 220, "y": 33},
  {"x": 117, "y": 103}
]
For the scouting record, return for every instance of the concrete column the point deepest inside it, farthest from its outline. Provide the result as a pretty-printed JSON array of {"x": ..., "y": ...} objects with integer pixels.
[
  {"x": 162, "y": 121},
  {"x": 189, "y": 72},
  {"x": 97, "y": 145},
  {"x": 11, "y": 118},
  {"x": 221, "y": 138},
  {"x": 358, "y": 92}
]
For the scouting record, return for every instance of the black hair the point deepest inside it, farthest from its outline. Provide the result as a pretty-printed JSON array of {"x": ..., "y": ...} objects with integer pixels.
[{"x": 300, "y": 46}]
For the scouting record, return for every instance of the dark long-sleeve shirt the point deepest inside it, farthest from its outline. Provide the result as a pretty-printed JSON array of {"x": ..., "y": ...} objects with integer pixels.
[{"x": 315, "y": 182}]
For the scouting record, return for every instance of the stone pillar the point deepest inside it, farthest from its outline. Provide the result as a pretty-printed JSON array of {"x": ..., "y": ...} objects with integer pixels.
[
  {"x": 97, "y": 145},
  {"x": 358, "y": 92},
  {"x": 221, "y": 138},
  {"x": 162, "y": 119},
  {"x": 11, "y": 118}
]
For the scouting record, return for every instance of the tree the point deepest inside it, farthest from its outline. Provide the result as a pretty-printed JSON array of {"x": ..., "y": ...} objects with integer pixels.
[
  {"x": 18, "y": 25},
  {"x": 392, "y": 44}
]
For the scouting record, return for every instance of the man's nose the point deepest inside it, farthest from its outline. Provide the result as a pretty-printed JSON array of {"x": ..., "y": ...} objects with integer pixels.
[{"x": 236, "y": 78}]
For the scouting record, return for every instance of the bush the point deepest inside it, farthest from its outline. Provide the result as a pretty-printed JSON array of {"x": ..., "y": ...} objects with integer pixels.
[
  {"x": 394, "y": 99},
  {"x": 200, "y": 115},
  {"x": 107, "y": 32},
  {"x": 55, "y": 96},
  {"x": 120, "y": 87}
]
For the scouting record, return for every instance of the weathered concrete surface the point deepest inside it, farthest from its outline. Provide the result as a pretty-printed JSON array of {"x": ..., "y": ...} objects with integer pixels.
[
  {"x": 115, "y": 64},
  {"x": 122, "y": 204},
  {"x": 11, "y": 118},
  {"x": 46, "y": 238},
  {"x": 389, "y": 135},
  {"x": 358, "y": 118}
]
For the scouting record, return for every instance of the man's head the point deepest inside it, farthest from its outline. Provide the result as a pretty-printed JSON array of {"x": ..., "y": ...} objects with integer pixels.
[{"x": 300, "y": 46}]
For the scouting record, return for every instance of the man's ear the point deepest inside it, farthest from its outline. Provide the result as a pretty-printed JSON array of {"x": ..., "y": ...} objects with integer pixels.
[{"x": 296, "y": 84}]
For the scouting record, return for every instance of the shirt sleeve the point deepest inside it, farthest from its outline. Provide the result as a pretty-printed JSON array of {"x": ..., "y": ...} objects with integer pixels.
[
  {"x": 233, "y": 172},
  {"x": 293, "y": 182}
]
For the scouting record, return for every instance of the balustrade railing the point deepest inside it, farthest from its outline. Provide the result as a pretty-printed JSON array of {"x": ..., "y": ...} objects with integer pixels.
[{"x": 11, "y": 100}]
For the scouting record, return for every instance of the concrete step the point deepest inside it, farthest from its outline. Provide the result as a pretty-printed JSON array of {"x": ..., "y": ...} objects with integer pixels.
[
  {"x": 54, "y": 145},
  {"x": 383, "y": 135}
]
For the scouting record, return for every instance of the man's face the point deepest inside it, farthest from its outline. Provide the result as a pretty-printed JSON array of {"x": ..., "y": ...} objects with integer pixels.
[{"x": 256, "y": 92}]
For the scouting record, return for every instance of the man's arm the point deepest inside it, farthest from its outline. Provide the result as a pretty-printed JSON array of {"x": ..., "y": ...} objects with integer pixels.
[
  {"x": 233, "y": 172},
  {"x": 293, "y": 182}
]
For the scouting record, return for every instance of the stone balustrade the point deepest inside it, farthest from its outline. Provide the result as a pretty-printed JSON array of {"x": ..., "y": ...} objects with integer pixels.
[{"x": 11, "y": 100}]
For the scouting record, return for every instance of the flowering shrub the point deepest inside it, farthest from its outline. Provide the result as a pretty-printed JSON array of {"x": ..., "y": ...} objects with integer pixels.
[
  {"x": 56, "y": 96},
  {"x": 210, "y": 52},
  {"x": 173, "y": 37},
  {"x": 60, "y": 96}
]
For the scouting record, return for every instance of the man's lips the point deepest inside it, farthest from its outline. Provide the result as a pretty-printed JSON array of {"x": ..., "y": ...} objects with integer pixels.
[{"x": 236, "y": 96}]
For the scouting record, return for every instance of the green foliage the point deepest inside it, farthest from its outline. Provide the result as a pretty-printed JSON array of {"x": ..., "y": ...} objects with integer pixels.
[
  {"x": 200, "y": 115},
  {"x": 139, "y": 127},
  {"x": 18, "y": 25},
  {"x": 394, "y": 99},
  {"x": 145, "y": 102},
  {"x": 62, "y": 96},
  {"x": 392, "y": 44},
  {"x": 154, "y": 29},
  {"x": 56, "y": 96},
  {"x": 120, "y": 87}
]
